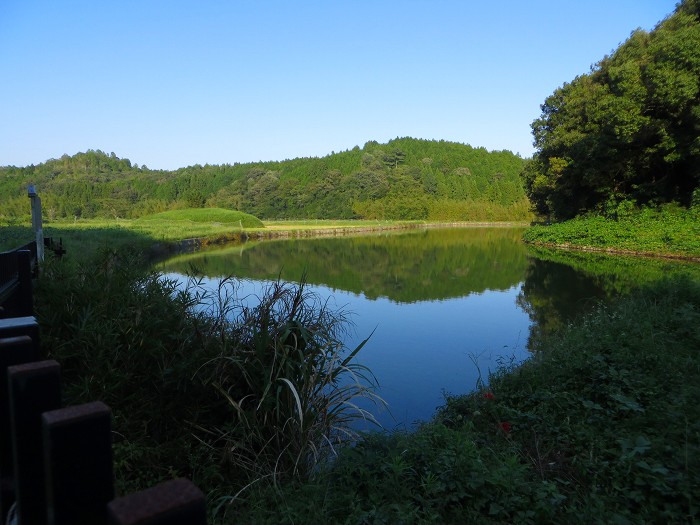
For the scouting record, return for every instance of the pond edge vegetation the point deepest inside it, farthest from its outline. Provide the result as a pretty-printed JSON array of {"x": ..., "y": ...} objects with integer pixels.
[
  {"x": 602, "y": 425},
  {"x": 586, "y": 428},
  {"x": 599, "y": 427},
  {"x": 667, "y": 231}
]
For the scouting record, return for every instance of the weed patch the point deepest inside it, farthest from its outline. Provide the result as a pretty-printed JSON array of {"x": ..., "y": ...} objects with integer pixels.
[
  {"x": 600, "y": 426},
  {"x": 667, "y": 231},
  {"x": 201, "y": 385}
]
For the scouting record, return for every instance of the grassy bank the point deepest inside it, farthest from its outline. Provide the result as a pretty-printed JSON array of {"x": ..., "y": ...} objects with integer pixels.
[
  {"x": 166, "y": 231},
  {"x": 88, "y": 236},
  {"x": 601, "y": 426},
  {"x": 670, "y": 231},
  {"x": 201, "y": 385}
]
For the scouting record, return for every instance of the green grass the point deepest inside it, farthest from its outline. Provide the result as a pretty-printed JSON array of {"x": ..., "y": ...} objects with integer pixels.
[
  {"x": 601, "y": 426},
  {"x": 206, "y": 215},
  {"x": 201, "y": 385},
  {"x": 85, "y": 237},
  {"x": 667, "y": 231}
]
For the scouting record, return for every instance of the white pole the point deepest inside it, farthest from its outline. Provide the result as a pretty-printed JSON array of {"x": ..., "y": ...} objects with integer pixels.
[{"x": 36, "y": 223}]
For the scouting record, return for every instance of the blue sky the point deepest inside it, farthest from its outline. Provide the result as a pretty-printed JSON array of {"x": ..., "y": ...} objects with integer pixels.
[{"x": 171, "y": 83}]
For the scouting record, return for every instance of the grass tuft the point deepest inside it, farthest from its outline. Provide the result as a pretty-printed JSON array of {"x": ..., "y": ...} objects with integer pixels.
[
  {"x": 215, "y": 215},
  {"x": 288, "y": 379}
]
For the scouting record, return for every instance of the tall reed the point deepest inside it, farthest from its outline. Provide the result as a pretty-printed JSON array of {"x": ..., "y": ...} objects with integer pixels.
[
  {"x": 204, "y": 384},
  {"x": 290, "y": 382}
]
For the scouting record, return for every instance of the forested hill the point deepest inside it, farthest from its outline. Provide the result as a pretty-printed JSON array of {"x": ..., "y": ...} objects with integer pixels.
[{"x": 403, "y": 179}]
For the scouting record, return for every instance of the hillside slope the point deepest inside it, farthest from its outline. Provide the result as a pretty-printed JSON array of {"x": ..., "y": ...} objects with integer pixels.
[{"x": 403, "y": 179}]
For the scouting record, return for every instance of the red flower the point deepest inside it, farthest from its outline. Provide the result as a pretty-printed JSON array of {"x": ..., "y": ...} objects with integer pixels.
[
  {"x": 489, "y": 395},
  {"x": 505, "y": 426}
]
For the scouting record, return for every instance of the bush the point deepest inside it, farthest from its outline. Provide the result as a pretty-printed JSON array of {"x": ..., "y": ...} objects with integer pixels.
[
  {"x": 200, "y": 385},
  {"x": 288, "y": 381}
]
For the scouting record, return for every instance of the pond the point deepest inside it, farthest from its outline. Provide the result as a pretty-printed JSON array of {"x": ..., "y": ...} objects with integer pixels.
[{"x": 444, "y": 307}]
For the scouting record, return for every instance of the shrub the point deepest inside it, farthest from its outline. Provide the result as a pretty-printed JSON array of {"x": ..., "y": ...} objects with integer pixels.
[
  {"x": 201, "y": 385},
  {"x": 290, "y": 385}
]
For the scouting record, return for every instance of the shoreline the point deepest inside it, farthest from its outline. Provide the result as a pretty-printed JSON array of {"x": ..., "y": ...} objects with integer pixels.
[
  {"x": 197, "y": 243},
  {"x": 616, "y": 251}
]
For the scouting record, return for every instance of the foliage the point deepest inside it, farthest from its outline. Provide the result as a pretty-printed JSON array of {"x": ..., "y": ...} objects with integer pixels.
[
  {"x": 126, "y": 337},
  {"x": 444, "y": 210},
  {"x": 403, "y": 179},
  {"x": 601, "y": 426},
  {"x": 627, "y": 130},
  {"x": 290, "y": 388},
  {"x": 186, "y": 380},
  {"x": 668, "y": 230},
  {"x": 606, "y": 407}
]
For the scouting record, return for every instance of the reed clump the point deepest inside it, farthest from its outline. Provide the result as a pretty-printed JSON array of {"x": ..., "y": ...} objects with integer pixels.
[
  {"x": 222, "y": 389},
  {"x": 290, "y": 384}
]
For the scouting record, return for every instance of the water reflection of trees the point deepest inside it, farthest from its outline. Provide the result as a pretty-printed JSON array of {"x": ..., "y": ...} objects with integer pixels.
[
  {"x": 560, "y": 285},
  {"x": 432, "y": 264},
  {"x": 554, "y": 294},
  {"x": 439, "y": 264}
]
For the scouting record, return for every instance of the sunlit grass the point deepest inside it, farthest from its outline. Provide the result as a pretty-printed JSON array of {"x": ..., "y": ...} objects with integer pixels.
[
  {"x": 167, "y": 228},
  {"x": 323, "y": 224},
  {"x": 210, "y": 226},
  {"x": 206, "y": 215},
  {"x": 667, "y": 231}
]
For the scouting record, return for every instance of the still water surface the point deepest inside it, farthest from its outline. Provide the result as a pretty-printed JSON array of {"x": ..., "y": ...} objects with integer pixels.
[{"x": 444, "y": 306}]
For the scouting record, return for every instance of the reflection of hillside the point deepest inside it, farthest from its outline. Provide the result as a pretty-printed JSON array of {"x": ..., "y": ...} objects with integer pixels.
[{"x": 407, "y": 267}]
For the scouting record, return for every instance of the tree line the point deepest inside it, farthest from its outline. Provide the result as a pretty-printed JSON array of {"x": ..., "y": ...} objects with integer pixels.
[
  {"x": 628, "y": 132},
  {"x": 405, "y": 178}
]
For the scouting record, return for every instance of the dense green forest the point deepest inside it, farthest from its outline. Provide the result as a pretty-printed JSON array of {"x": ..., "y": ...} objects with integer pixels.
[
  {"x": 628, "y": 132},
  {"x": 403, "y": 179}
]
